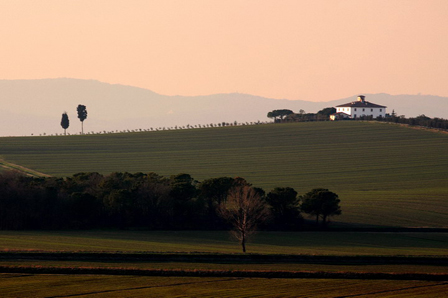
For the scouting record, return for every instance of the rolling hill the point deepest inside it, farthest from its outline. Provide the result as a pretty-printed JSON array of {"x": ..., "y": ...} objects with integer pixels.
[
  {"x": 35, "y": 106},
  {"x": 385, "y": 174}
]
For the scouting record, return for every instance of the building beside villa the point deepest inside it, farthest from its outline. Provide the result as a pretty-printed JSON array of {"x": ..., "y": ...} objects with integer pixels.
[{"x": 358, "y": 108}]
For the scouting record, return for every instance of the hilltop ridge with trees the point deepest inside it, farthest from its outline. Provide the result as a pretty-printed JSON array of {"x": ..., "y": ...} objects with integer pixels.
[{"x": 324, "y": 114}]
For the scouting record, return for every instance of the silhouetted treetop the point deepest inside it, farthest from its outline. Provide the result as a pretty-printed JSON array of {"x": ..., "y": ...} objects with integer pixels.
[
  {"x": 82, "y": 115},
  {"x": 65, "y": 122}
]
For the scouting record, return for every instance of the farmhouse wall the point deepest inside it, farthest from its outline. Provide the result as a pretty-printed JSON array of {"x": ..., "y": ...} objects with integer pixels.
[{"x": 359, "y": 112}]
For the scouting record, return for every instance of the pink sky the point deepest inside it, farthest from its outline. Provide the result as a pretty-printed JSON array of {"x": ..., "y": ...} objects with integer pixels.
[{"x": 311, "y": 50}]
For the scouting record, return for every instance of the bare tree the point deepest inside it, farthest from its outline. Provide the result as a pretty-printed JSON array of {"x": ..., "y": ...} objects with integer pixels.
[{"x": 244, "y": 209}]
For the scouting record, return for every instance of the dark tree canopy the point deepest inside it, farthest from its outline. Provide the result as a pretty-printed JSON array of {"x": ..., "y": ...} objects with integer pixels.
[
  {"x": 215, "y": 189},
  {"x": 421, "y": 120},
  {"x": 327, "y": 111},
  {"x": 125, "y": 200},
  {"x": 322, "y": 203},
  {"x": 82, "y": 112},
  {"x": 65, "y": 122},
  {"x": 279, "y": 113},
  {"x": 82, "y": 115},
  {"x": 213, "y": 192},
  {"x": 183, "y": 192},
  {"x": 283, "y": 113},
  {"x": 183, "y": 187},
  {"x": 284, "y": 205}
]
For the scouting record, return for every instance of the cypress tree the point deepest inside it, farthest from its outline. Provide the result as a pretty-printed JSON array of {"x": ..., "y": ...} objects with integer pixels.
[{"x": 65, "y": 122}]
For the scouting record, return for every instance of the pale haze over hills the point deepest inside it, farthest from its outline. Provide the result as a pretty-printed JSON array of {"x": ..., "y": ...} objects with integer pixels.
[{"x": 35, "y": 107}]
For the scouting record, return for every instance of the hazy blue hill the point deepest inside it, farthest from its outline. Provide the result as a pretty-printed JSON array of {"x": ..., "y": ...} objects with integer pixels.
[
  {"x": 118, "y": 107},
  {"x": 35, "y": 106}
]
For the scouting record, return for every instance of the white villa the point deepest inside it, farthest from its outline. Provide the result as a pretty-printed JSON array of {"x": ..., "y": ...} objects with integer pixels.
[{"x": 358, "y": 108}]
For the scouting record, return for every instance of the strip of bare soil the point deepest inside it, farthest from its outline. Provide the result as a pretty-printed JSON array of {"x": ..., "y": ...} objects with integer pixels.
[
  {"x": 224, "y": 258},
  {"x": 224, "y": 273}
]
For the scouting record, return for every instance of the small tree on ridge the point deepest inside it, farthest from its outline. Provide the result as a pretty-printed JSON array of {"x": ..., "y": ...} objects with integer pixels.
[
  {"x": 65, "y": 122},
  {"x": 82, "y": 115}
]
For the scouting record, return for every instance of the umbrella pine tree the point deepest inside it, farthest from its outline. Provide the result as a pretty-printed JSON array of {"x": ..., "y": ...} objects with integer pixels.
[{"x": 82, "y": 115}]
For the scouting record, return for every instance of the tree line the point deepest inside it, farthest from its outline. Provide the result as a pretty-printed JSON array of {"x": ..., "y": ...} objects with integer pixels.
[
  {"x": 284, "y": 115},
  {"x": 421, "y": 120},
  {"x": 150, "y": 201}
]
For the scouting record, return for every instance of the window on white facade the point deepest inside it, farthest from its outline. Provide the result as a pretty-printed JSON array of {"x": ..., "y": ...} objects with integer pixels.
[
  {"x": 355, "y": 109},
  {"x": 381, "y": 110},
  {"x": 371, "y": 110},
  {"x": 363, "y": 110}
]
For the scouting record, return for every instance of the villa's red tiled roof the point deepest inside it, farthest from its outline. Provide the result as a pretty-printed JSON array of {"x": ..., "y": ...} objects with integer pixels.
[{"x": 360, "y": 104}]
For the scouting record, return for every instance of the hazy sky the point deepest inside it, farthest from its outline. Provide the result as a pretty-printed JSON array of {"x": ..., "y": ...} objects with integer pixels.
[{"x": 315, "y": 50}]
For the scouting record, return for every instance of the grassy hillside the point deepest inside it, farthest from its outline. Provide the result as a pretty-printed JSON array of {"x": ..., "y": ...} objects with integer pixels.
[
  {"x": 384, "y": 174},
  {"x": 307, "y": 243}
]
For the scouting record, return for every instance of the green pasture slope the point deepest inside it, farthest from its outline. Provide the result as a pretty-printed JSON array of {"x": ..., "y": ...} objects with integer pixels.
[
  {"x": 305, "y": 243},
  {"x": 385, "y": 175}
]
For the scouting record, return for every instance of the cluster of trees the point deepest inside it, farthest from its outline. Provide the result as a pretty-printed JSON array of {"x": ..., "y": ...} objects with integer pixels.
[
  {"x": 279, "y": 115},
  {"x": 289, "y": 116},
  {"x": 150, "y": 201},
  {"x": 82, "y": 115},
  {"x": 421, "y": 120}
]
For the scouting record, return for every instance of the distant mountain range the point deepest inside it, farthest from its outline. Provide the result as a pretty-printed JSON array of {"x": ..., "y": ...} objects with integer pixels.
[{"x": 35, "y": 107}]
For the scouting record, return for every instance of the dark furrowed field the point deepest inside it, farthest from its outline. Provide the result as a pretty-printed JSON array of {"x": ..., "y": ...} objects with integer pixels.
[
  {"x": 385, "y": 175},
  {"x": 28, "y": 285},
  {"x": 362, "y": 254},
  {"x": 222, "y": 265}
]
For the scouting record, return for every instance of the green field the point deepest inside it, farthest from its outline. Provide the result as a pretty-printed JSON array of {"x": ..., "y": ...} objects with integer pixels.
[
  {"x": 385, "y": 175},
  {"x": 309, "y": 243}
]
